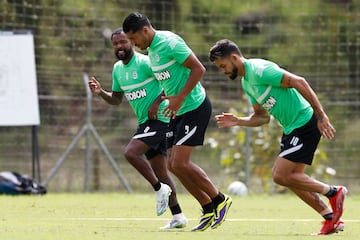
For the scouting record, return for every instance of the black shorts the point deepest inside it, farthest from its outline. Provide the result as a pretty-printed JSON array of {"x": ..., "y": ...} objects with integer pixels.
[
  {"x": 189, "y": 128},
  {"x": 153, "y": 134},
  {"x": 300, "y": 145}
]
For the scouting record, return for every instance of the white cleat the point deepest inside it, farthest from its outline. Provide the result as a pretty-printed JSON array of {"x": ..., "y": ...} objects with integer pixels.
[
  {"x": 178, "y": 221},
  {"x": 162, "y": 198}
]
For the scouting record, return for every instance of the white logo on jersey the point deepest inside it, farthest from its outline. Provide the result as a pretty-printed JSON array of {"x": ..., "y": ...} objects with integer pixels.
[
  {"x": 172, "y": 44},
  {"x": 269, "y": 104},
  {"x": 260, "y": 70},
  {"x": 157, "y": 58},
  {"x": 136, "y": 94},
  {"x": 135, "y": 75},
  {"x": 162, "y": 75}
]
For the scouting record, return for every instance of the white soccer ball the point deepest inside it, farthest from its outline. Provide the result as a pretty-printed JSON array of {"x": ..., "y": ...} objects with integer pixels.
[{"x": 238, "y": 188}]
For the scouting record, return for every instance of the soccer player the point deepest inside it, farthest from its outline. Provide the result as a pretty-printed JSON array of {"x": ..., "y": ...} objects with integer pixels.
[
  {"x": 179, "y": 72},
  {"x": 133, "y": 78},
  {"x": 289, "y": 99}
]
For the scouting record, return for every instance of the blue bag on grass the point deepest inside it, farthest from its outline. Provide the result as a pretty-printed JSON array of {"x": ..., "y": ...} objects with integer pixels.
[{"x": 14, "y": 183}]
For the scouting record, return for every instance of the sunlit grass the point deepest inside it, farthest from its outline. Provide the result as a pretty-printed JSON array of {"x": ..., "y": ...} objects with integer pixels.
[{"x": 132, "y": 216}]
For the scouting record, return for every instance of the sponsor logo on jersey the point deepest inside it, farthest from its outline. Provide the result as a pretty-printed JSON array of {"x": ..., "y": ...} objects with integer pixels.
[
  {"x": 136, "y": 94},
  {"x": 162, "y": 75},
  {"x": 269, "y": 103}
]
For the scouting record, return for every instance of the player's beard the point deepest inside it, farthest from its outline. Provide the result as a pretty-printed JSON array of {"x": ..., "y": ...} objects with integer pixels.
[
  {"x": 234, "y": 72},
  {"x": 125, "y": 55}
]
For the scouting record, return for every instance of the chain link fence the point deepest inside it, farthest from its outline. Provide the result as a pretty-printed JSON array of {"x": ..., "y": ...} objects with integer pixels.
[{"x": 319, "y": 40}]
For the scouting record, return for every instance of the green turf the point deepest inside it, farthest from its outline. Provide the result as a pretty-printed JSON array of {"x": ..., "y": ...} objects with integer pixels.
[{"x": 132, "y": 216}]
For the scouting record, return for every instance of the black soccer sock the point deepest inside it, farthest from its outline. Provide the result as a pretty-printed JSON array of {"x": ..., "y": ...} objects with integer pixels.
[
  {"x": 218, "y": 199},
  {"x": 328, "y": 216},
  {"x": 157, "y": 186},
  {"x": 208, "y": 208},
  {"x": 331, "y": 192},
  {"x": 175, "y": 209}
]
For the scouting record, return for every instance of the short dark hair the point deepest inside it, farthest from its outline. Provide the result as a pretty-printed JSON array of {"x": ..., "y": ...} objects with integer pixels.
[
  {"x": 116, "y": 32},
  {"x": 223, "y": 48},
  {"x": 135, "y": 21}
]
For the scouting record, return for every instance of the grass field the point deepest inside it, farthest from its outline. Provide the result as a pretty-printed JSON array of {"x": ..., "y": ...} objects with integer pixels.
[{"x": 132, "y": 216}]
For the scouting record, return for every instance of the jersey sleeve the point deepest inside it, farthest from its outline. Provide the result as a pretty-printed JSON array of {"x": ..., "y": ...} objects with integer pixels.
[
  {"x": 179, "y": 49},
  {"x": 270, "y": 74},
  {"x": 115, "y": 81}
]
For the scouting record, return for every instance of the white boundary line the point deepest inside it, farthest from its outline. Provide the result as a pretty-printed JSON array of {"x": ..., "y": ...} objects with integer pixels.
[{"x": 228, "y": 219}]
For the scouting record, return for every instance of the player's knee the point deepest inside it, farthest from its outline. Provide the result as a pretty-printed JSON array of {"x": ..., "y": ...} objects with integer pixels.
[
  {"x": 174, "y": 167},
  {"x": 170, "y": 167},
  {"x": 278, "y": 178},
  {"x": 130, "y": 155},
  {"x": 177, "y": 167}
]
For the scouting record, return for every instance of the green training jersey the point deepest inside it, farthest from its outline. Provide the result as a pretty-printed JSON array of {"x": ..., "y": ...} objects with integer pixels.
[
  {"x": 262, "y": 84},
  {"x": 139, "y": 86},
  {"x": 167, "y": 53}
]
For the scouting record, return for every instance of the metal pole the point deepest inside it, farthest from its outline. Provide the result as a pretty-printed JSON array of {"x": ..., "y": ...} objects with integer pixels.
[
  {"x": 247, "y": 148},
  {"x": 87, "y": 129},
  {"x": 110, "y": 159},
  {"x": 100, "y": 142},
  {"x": 35, "y": 154},
  {"x": 65, "y": 155},
  {"x": 87, "y": 142}
]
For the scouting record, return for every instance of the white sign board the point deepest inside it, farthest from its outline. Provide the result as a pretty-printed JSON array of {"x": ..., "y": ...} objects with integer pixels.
[{"x": 19, "y": 104}]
